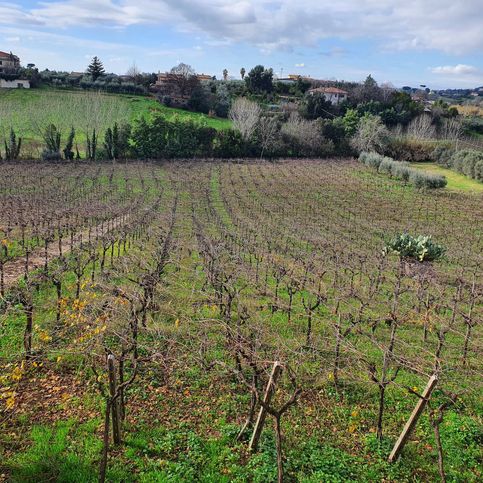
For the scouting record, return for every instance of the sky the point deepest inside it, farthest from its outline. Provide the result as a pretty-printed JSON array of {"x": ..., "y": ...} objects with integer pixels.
[{"x": 438, "y": 43}]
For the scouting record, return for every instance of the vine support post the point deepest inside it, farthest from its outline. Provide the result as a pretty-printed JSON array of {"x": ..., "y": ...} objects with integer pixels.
[
  {"x": 114, "y": 397},
  {"x": 262, "y": 414},
  {"x": 413, "y": 419}
]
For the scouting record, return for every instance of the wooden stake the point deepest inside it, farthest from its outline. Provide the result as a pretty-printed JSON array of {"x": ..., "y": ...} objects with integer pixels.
[
  {"x": 413, "y": 419},
  {"x": 116, "y": 421},
  {"x": 257, "y": 431}
]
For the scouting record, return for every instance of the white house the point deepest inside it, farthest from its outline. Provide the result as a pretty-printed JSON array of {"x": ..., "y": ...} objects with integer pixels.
[
  {"x": 14, "y": 84},
  {"x": 332, "y": 94}
]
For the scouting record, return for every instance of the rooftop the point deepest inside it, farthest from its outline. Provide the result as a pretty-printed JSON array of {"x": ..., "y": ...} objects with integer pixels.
[{"x": 329, "y": 90}]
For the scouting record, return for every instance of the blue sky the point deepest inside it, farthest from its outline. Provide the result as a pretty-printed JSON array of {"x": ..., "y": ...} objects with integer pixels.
[{"x": 437, "y": 43}]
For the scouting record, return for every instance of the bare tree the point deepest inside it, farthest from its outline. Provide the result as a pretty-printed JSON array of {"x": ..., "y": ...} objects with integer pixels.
[
  {"x": 422, "y": 127},
  {"x": 303, "y": 135},
  {"x": 183, "y": 78},
  {"x": 134, "y": 73},
  {"x": 267, "y": 133},
  {"x": 451, "y": 129},
  {"x": 245, "y": 115}
]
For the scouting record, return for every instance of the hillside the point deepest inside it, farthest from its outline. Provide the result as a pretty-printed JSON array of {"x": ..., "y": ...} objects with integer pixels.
[{"x": 30, "y": 111}]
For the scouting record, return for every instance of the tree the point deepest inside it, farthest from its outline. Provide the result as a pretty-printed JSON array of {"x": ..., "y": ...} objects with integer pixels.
[
  {"x": 303, "y": 137},
  {"x": 183, "y": 78},
  {"x": 134, "y": 74},
  {"x": 260, "y": 80},
  {"x": 95, "y": 68},
  {"x": 367, "y": 91},
  {"x": 242, "y": 72},
  {"x": 316, "y": 105},
  {"x": 200, "y": 99},
  {"x": 422, "y": 127},
  {"x": 225, "y": 74},
  {"x": 371, "y": 134},
  {"x": 267, "y": 133},
  {"x": 245, "y": 115}
]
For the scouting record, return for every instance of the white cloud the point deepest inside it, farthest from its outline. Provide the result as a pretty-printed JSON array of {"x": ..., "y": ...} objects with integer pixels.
[
  {"x": 300, "y": 65},
  {"x": 443, "y": 25},
  {"x": 459, "y": 69}
]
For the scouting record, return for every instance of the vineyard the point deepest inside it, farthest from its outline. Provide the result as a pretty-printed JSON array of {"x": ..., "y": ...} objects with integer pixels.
[{"x": 237, "y": 321}]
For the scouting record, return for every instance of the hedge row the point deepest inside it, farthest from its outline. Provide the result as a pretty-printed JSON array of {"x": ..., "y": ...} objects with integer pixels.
[
  {"x": 467, "y": 161},
  {"x": 401, "y": 170}
]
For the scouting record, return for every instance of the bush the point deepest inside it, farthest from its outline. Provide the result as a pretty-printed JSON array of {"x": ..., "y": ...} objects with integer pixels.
[
  {"x": 442, "y": 154},
  {"x": 411, "y": 150},
  {"x": 371, "y": 134},
  {"x": 372, "y": 160},
  {"x": 468, "y": 162},
  {"x": 391, "y": 167},
  {"x": 166, "y": 100},
  {"x": 229, "y": 144},
  {"x": 423, "y": 180},
  {"x": 304, "y": 138},
  {"x": 421, "y": 248}
]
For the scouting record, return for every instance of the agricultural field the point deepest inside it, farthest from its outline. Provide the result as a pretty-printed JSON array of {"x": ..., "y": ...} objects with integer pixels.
[
  {"x": 145, "y": 307},
  {"x": 30, "y": 111}
]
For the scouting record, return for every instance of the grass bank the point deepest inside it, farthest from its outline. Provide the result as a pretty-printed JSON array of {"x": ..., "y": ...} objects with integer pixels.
[{"x": 456, "y": 181}]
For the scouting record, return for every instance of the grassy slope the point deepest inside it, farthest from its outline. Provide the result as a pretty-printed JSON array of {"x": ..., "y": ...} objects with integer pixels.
[
  {"x": 456, "y": 181},
  {"x": 25, "y": 109}
]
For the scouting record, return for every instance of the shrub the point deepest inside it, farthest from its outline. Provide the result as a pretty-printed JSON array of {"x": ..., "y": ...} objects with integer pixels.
[
  {"x": 468, "y": 162},
  {"x": 421, "y": 248},
  {"x": 423, "y": 180},
  {"x": 12, "y": 147},
  {"x": 116, "y": 141},
  {"x": 411, "y": 150},
  {"x": 442, "y": 154},
  {"x": 68, "y": 152},
  {"x": 51, "y": 137},
  {"x": 402, "y": 171},
  {"x": 303, "y": 138},
  {"x": 160, "y": 138},
  {"x": 229, "y": 144},
  {"x": 398, "y": 169},
  {"x": 166, "y": 100},
  {"x": 372, "y": 160},
  {"x": 371, "y": 134}
]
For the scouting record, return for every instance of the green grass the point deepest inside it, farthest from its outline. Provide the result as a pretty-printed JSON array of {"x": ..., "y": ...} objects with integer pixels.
[
  {"x": 29, "y": 111},
  {"x": 456, "y": 181}
]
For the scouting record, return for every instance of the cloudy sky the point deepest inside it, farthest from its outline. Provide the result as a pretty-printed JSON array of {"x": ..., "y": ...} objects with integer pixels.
[{"x": 434, "y": 42}]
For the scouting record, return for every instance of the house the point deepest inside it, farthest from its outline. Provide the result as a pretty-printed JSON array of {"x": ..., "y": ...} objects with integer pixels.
[
  {"x": 332, "y": 94},
  {"x": 9, "y": 63},
  {"x": 165, "y": 78},
  {"x": 204, "y": 77},
  {"x": 14, "y": 84},
  {"x": 9, "y": 66}
]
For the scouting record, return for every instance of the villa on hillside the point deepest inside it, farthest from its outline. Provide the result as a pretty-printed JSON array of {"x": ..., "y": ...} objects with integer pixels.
[
  {"x": 164, "y": 78},
  {"x": 333, "y": 94},
  {"x": 9, "y": 66},
  {"x": 9, "y": 63}
]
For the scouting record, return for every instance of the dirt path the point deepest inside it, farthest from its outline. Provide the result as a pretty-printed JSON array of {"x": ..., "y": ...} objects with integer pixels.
[{"x": 14, "y": 270}]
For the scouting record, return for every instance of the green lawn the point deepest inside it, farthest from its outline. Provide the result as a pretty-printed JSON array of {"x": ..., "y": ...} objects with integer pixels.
[{"x": 456, "y": 181}]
